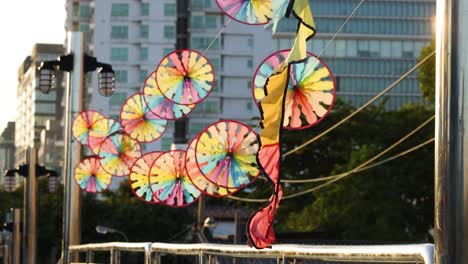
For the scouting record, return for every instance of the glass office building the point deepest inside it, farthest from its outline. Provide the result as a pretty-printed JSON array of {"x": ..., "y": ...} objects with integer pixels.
[{"x": 380, "y": 43}]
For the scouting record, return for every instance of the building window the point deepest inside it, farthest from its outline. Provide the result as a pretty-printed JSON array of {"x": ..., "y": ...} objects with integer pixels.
[
  {"x": 167, "y": 51},
  {"x": 216, "y": 64},
  {"x": 144, "y": 54},
  {"x": 249, "y": 63},
  {"x": 203, "y": 42},
  {"x": 119, "y": 54},
  {"x": 119, "y": 32},
  {"x": 170, "y": 10},
  {"x": 145, "y": 9},
  {"x": 211, "y": 22},
  {"x": 197, "y": 22},
  {"x": 118, "y": 99},
  {"x": 121, "y": 76},
  {"x": 119, "y": 10},
  {"x": 249, "y": 106},
  {"x": 143, "y": 75},
  {"x": 86, "y": 11},
  {"x": 144, "y": 31},
  {"x": 169, "y": 32}
]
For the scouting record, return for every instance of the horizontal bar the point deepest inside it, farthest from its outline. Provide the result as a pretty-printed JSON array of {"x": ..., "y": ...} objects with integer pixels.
[{"x": 418, "y": 253}]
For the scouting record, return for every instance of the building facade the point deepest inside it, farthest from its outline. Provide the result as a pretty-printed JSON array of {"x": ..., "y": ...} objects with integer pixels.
[
  {"x": 380, "y": 43},
  {"x": 134, "y": 36},
  {"x": 39, "y": 115},
  {"x": 7, "y": 150}
]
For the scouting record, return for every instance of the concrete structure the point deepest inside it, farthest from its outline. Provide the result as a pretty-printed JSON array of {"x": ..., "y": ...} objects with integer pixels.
[
  {"x": 39, "y": 113},
  {"x": 7, "y": 149},
  {"x": 376, "y": 47}
]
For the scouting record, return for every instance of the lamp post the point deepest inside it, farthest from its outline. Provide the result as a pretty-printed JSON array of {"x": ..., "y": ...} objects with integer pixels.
[
  {"x": 76, "y": 63},
  {"x": 30, "y": 171}
]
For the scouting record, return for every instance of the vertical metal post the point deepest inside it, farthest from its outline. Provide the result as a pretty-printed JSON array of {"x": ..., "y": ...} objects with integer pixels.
[
  {"x": 182, "y": 42},
  {"x": 30, "y": 209},
  {"x": 89, "y": 256},
  {"x": 16, "y": 243},
  {"x": 451, "y": 161},
  {"x": 73, "y": 104}
]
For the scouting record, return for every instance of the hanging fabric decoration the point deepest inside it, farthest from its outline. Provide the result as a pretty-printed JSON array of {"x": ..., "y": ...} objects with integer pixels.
[
  {"x": 83, "y": 123},
  {"x": 160, "y": 105},
  {"x": 91, "y": 177},
  {"x": 197, "y": 177},
  {"x": 101, "y": 130},
  {"x": 185, "y": 77},
  {"x": 226, "y": 154},
  {"x": 311, "y": 89},
  {"x": 169, "y": 181},
  {"x": 272, "y": 108},
  {"x": 139, "y": 180},
  {"x": 251, "y": 12},
  {"x": 139, "y": 122},
  {"x": 118, "y": 152}
]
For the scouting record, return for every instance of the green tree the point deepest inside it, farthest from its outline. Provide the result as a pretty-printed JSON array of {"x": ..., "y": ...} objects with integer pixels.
[{"x": 426, "y": 75}]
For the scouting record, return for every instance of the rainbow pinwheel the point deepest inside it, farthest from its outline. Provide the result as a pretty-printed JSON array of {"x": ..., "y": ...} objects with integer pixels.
[
  {"x": 118, "y": 152},
  {"x": 160, "y": 105},
  {"x": 252, "y": 12},
  {"x": 169, "y": 181},
  {"x": 138, "y": 178},
  {"x": 83, "y": 124},
  {"x": 139, "y": 122},
  {"x": 91, "y": 177},
  {"x": 311, "y": 89},
  {"x": 198, "y": 179},
  {"x": 101, "y": 130},
  {"x": 185, "y": 77},
  {"x": 226, "y": 154}
]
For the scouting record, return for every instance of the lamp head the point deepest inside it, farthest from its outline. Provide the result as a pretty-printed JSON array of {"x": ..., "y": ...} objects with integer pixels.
[
  {"x": 46, "y": 76},
  {"x": 106, "y": 80}
]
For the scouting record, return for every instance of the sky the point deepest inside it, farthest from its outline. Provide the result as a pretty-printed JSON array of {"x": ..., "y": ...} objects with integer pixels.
[{"x": 24, "y": 23}]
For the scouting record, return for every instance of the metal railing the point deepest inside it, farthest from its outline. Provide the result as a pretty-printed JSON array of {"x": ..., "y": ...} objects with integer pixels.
[{"x": 209, "y": 253}]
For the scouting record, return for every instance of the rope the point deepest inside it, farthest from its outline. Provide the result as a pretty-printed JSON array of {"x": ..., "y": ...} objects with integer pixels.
[
  {"x": 341, "y": 28},
  {"x": 218, "y": 35},
  {"x": 391, "y": 86},
  {"x": 343, "y": 175},
  {"x": 406, "y": 152}
]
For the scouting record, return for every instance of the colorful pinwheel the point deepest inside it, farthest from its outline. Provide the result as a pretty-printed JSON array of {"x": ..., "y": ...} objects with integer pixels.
[
  {"x": 311, "y": 89},
  {"x": 83, "y": 124},
  {"x": 169, "y": 181},
  {"x": 101, "y": 130},
  {"x": 251, "y": 12},
  {"x": 198, "y": 179},
  {"x": 138, "y": 179},
  {"x": 160, "y": 105},
  {"x": 91, "y": 177},
  {"x": 185, "y": 77},
  {"x": 139, "y": 122},
  {"x": 226, "y": 154},
  {"x": 118, "y": 152}
]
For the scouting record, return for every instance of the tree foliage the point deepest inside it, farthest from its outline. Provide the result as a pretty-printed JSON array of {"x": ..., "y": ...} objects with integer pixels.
[{"x": 426, "y": 75}]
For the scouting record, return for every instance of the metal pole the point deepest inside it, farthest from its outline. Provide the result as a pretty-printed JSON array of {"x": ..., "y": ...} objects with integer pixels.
[
  {"x": 16, "y": 243},
  {"x": 182, "y": 42},
  {"x": 73, "y": 104},
  {"x": 451, "y": 175},
  {"x": 30, "y": 209}
]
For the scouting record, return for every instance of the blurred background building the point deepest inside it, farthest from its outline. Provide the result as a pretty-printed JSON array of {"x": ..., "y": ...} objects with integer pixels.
[
  {"x": 380, "y": 43},
  {"x": 7, "y": 150},
  {"x": 38, "y": 115}
]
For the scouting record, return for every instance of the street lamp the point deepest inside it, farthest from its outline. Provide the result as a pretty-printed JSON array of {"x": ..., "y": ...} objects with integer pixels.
[
  {"x": 107, "y": 230},
  {"x": 23, "y": 170},
  {"x": 9, "y": 180},
  {"x": 46, "y": 79}
]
